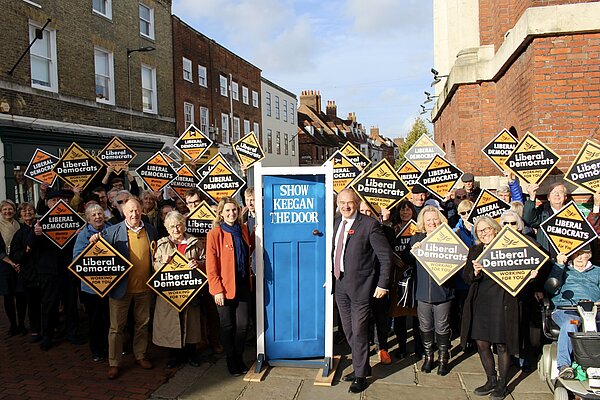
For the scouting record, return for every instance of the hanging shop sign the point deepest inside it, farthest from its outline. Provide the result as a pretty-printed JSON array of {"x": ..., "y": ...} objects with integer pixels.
[
  {"x": 499, "y": 148},
  {"x": 510, "y": 258},
  {"x": 61, "y": 223},
  {"x": 100, "y": 266},
  {"x": 442, "y": 253},
  {"x": 117, "y": 154},
  {"x": 380, "y": 187},
  {"x": 532, "y": 161},
  {"x": 176, "y": 282},
  {"x": 40, "y": 168}
]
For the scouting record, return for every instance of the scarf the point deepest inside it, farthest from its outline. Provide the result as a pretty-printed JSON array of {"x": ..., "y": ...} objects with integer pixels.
[
  {"x": 8, "y": 230},
  {"x": 240, "y": 247}
]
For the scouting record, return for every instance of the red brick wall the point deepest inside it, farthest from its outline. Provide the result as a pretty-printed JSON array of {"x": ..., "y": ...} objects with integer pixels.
[
  {"x": 497, "y": 17},
  {"x": 552, "y": 89}
]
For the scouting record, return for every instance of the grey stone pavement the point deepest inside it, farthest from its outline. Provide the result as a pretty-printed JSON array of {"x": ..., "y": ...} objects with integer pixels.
[{"x": 402, "y": 379}]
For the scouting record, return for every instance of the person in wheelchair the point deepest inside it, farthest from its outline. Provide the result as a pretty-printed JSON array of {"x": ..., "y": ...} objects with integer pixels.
[{"x": 579, "y": 280}]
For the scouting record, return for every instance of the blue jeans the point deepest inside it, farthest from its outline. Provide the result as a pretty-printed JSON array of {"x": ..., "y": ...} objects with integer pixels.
[{"x": 562, "y": 318}]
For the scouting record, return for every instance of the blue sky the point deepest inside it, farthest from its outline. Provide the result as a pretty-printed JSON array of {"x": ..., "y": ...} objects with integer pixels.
[{"x": 371, "y": 56}]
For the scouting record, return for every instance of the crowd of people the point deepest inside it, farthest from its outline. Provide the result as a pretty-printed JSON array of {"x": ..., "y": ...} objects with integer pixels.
[{"x": 380, "y": 287}]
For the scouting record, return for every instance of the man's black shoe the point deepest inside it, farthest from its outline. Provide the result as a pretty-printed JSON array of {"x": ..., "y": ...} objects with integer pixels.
[
  {"x": 350, "y": 377},
  {"x": 358, "y": 385}
]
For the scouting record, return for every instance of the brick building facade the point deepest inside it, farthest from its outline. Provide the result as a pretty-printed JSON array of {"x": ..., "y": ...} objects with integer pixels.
[
  {"x": 527, "y": 66},
  {"x": 79, "y": 81},
  {"x": 215, "y": 89}
]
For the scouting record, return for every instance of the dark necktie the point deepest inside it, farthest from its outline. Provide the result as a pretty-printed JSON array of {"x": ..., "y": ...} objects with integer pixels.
[{"x": 338, "y": 251}]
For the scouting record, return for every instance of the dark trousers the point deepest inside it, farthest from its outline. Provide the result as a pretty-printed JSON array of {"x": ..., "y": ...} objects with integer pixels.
[
  {"x": 380, "y": 309},
  {"x": 52, "y": 287},
  {"x": 354, "y": 314},
  {"x": 211, "y": 316},
  {"x": 400, "y": 330},
  {"x": 96, "y": 308},
  {"x": 33, "y": 295},
  {"x": 234, "y": 319}
]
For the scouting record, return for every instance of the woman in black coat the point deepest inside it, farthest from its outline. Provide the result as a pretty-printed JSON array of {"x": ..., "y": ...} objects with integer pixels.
[{"x": 490, "y": 315}]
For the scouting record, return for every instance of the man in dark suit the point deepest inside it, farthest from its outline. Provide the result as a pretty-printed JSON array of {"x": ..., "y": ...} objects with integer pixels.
[{"x": 362, "y": 261}]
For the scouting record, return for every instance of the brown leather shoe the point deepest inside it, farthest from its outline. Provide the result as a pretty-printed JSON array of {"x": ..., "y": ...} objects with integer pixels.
[
  {"x": 113, "y": 373},
  {"x": 144, "y": 364}
]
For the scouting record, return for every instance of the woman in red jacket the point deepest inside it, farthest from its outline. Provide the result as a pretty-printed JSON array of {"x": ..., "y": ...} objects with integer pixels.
[{"x": 228, "y": 249}]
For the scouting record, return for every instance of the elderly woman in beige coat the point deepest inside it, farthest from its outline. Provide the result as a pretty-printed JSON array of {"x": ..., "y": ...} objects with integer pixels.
[{"x": 179, "y": 331}]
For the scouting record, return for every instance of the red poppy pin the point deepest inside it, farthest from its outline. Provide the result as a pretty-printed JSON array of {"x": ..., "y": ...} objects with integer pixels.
[{"x": 351, "y": 232}]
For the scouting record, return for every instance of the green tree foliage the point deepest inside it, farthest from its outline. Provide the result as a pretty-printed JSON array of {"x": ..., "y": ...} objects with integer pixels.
[{"x": 419, "y": 128}]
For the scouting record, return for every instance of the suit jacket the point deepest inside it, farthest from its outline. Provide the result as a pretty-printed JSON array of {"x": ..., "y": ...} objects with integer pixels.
[
  {"x": 367, "y": 257},
  {"x": 116, "y": 235}
]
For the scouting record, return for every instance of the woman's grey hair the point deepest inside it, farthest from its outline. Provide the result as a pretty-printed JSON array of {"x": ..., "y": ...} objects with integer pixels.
[
  {"x": 174, "y": 216},
  {"x": 92, "y": 208},
  {"x": 511, "y": 213}
]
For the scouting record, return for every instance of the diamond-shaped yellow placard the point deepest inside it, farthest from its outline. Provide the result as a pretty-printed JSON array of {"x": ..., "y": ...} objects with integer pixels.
[
  {"x": 100, "y": 266},
  {"x": 532, "y": 161},
  {"x": 381, "y": 186},
  {"x": 193, "y": 143},
  {"x": 176, "y": 282},
  {"x": 423, "y": 151},
  {"x": 77, "y": 167},
  {"x": 499, "y": 148},
  {"x": 355, "y": 156},
  {"x": 510, "y": 258},
  {"x": 585, "y": 170},
  {"x": 488, "y": 204},
  {"x": 409, "y": 174},
  {"x": 344, "y": 171},
  {"x": 248, "y": 150},
  {"x": 221, "y": 181},
  {"x": 442, "y": 253},
  {"x": 117, "y": 154},
  {"x": 568, "y": 230},
  {"x": 439, "y": 176}
]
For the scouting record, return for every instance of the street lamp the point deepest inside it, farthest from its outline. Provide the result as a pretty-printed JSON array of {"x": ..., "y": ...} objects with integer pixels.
[{"x": 129, "y": 51}]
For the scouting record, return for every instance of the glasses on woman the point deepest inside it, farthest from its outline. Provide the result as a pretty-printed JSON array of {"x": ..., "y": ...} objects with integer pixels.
[
  {"x": 465, "y": 212},
  {"x": 514, "y": 223},
  {"x": 484, "y": 231}
]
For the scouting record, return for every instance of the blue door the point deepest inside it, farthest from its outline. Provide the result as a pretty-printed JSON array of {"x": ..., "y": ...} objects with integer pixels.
[{"x": 294, "y": 266}]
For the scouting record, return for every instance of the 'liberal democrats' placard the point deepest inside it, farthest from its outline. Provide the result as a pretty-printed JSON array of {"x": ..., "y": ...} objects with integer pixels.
[
  {"x": 344, "y": 171},
  {"x": 117, "y": 154},
  {"x": 585, "y": 170},
  {"x": 381, "y": 186},
  {"x": 409, "y": 174},
  {"x": 403, "y": 238},
  {"x": 100, "y": 266},
  {"x": 221, "y": 181},
  {"x": 423, "y": 151},
  {"x": 199, "y": 221},
  {"x": 568, "y": 230},
  {"x": 532, "y": 160},
  {"x": 176, "y": 282},
  {"x": 510, "y": 258},
  {"x": 442, "y": 253},
  {"x": 248, "y": 150},
  {"x": 439, "y": 177},
  {"x": 193, "y": 143},
  {"x": 60, "y": 224},
  {"x": 77, "y": 167},
  {"x": 488, "y": 204},
  {"x": 40, "y": 167},
  {"x": 355, "y": 155},
  {"x": 156, "y": 172},
  {"x": 499, "y": 148}
]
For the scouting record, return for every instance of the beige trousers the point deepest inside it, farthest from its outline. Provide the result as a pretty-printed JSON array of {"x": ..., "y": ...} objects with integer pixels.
[{"x": 119, "y": 309}]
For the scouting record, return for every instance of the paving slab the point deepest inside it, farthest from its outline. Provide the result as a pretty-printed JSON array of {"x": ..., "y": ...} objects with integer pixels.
[
  {"x": 378, "y": 391},
  {"x": 451, "y": 380}
]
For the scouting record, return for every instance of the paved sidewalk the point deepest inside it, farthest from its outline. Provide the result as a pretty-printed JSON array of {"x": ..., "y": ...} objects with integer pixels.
[{"x": 401, "y": 380}]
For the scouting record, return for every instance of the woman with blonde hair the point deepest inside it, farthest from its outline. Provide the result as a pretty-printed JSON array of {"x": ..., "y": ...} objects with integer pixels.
[
  {"x": 434, "y": 301},
  {"x": 228, "y": 249},
  {"x": 178, "y": 331}
]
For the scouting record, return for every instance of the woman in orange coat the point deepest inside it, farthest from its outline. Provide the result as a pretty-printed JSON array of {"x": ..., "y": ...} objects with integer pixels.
[{"x": 228, "y": 249}]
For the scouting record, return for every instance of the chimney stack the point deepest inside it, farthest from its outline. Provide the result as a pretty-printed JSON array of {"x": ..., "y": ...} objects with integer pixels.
[
  {"x": 312, "y": 99},
  {"x": 352, "y": 116},
  {"x": 331, "y": 109}
]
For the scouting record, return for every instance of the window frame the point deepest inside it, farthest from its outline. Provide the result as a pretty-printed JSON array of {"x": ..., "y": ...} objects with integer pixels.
[
  {"x": 225, "y": 128},
  {"x": 278, "y": 142},
  {"x": 285, "y": 144},
  {"x": 255, "y": 99},
  {"x": 154, "y": 96},
  {"x": 204, "y": 126},
  {"x": 235, "y": 91},
  {"x": 268, "y": 103},
  {"x": 246, "y": 127},
  {"x": 111, "y": 76},
  {"x": 107, "y": 6},
  {"x": 292, "y": 113},
  {"x": 51, "y": 58},
  {"x": 203, "y": 77},
  {"x": 191, "y": 121},
  {"x": 186, "y": 61},
  {"x": 245, "y": 94},
  {"x": 150, "y": 22},
  {"x": 256, "y": 130},
  {"x": 223, "y": 89},
  {"x": 285, "y": 117},
  {"x": 270, "y": 141},
  {"x": 236, "y": 129},
  {"x": 277, "y": 111}
]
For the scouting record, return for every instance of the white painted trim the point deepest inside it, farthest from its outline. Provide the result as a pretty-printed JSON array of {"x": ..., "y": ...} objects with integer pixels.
[
  {"x": 31, "y": 3},
  {"x": 259, "y": 172}
]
